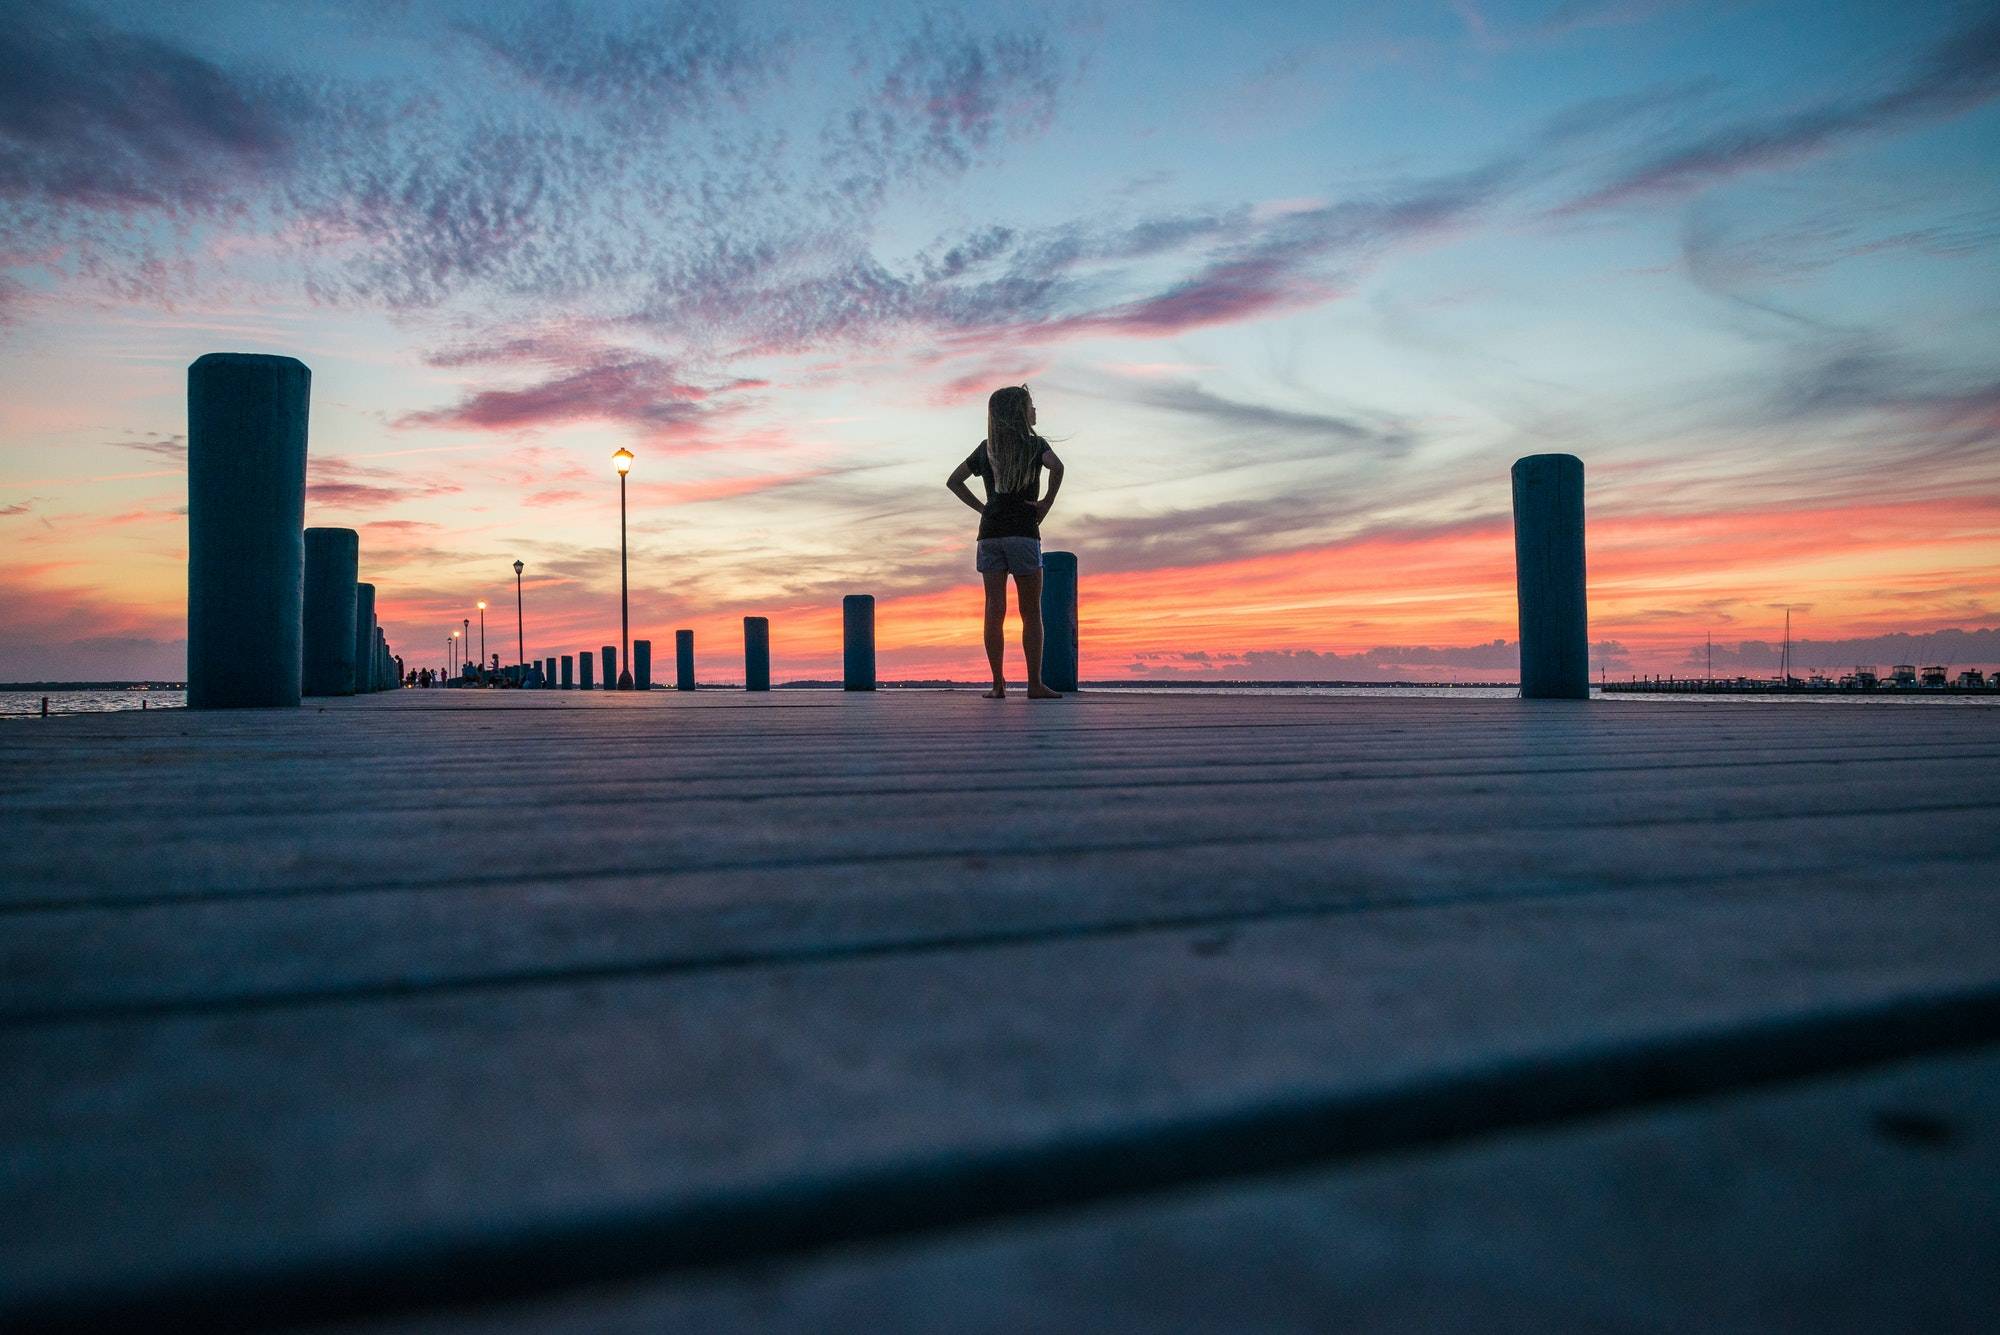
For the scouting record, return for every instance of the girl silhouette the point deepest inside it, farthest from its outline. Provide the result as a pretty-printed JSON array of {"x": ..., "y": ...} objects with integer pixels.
[{"x": 1010, "y": 462}]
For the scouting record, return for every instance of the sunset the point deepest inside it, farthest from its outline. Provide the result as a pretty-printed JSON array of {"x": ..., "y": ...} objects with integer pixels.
[
  {"x": 1292, "y": 293},
  {"x": 906, "y": 667}
]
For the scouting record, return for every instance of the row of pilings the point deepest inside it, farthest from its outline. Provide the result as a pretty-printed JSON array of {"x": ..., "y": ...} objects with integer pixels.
[
  {"x": 277, "y": 611},
  {"x": 857, "y": 634}
]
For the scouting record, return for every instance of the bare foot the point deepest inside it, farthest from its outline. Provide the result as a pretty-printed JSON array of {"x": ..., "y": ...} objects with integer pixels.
[
  {"x": 997, "y": 693},
  {"x": 1043, "y": 693}
]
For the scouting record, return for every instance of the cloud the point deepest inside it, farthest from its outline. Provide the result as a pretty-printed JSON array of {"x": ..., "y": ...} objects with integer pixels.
[
  {"x": 1960, "y": 647},
  {"x": 172, "y": 448},
  {"x": 95, "y": 117},
  {"x": 948, "y": 94},
  {"x": 637, "y": 72},
  {"x": 17, "y": 508},
  {"x": 342, "y": 484},
  {"x": 1957, "y": 74},
  {"x": 1189, "y": 399},
  {"x": 629, "y": 388}
]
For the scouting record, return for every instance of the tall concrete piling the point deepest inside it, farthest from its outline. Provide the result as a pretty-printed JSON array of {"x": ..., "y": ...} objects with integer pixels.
[
  {"x": 568, "y": 672},
  {"x": 857, "y": 625},
  {"x": 364, "y": 638},
  {"x": 246, "y": 471},
  {"x": 333, "y": 556},
  {"x": 608, "y": 655},
  {"x": 382, "y": 669},
  {"x": 1059, "y": 642},
  {"x": 756, "y": 653},
  {"x": 683, "y": 660},
  {"x": 549, "y": 673},
  {"x": 586, "y": 665},
  {"x": 1548, "y": 577},
  {"x": 642, "y": 665}
]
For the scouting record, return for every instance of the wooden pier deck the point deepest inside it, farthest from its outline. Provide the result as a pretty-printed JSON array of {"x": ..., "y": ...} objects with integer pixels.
[{"x": 520, "y": 1012}]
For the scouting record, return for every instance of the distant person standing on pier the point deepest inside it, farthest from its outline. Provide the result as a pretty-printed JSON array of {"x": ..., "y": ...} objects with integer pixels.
[{"x": 1010, "y": 462}]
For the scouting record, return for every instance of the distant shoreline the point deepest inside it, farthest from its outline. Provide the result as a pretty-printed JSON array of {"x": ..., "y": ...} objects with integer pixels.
[{"x": 834, "y": 683}]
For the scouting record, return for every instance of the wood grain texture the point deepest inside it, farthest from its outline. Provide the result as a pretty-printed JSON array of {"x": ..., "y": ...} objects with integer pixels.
[{"x": 605, "y": 966}]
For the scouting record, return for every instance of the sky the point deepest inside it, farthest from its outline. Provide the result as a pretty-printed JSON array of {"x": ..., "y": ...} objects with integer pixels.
[{"x": 1293, "y": 285}]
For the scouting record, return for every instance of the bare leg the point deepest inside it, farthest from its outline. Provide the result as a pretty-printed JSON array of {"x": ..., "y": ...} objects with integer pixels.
[
  {"x": 1028, "y": 590},
  {"x": 996, "y": 630}
]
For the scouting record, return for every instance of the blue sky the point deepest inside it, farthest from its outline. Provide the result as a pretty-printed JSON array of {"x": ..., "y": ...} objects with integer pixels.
[{"x": 1291, "y": 282}]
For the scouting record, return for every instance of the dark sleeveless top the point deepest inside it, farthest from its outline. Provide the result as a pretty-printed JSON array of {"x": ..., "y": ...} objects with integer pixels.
[{"x": 1009, "y": 514}]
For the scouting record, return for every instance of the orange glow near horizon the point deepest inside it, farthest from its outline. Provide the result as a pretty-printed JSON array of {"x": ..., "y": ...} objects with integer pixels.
[{"x": 1658, "y": 585}]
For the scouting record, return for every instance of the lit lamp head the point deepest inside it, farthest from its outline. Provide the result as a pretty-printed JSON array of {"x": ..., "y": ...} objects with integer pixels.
[
  {"x": 622, "y": 461},
  {"x": 482, "y": 604},
  {"x": 454, "y": 635}
]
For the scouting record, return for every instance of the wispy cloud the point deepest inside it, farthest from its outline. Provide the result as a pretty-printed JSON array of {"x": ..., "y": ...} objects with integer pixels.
[
  {"x": 342, "y": 484},
  {"x": 94, "y": 116},
  {"x": 631, "y": 389},
  {"x": 1957, "y": 74}
]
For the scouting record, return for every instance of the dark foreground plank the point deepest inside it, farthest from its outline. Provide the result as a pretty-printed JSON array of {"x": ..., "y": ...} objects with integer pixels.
[
  {"x": 1864, "y": 1203},
  {"x": 427, "y": 996}
]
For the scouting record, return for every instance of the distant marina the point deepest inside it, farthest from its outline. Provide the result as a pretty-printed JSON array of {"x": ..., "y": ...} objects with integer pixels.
[{"x": 1904, "y": 679}]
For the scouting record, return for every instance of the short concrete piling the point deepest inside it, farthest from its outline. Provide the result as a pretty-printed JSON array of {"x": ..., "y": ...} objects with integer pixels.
[
  {"x": 608, "y": 655},
  {"x": 568, "y": 672},
  {"x": 586, "y": 665},
  {"x": 246, "y": 471},
  {"x": 642, "y": 665},
  {"x": 857, "y": 624},
  {"x": 333, "y": 557},
  {"x": 683, "y": 660},
  {"x": 1059, "y": 639},
  {"x": 382, "y": 669},
  {"x": 756, "y": 653},
  {"x": 364, "y": 638},
  {"x": 1549, "y": 579}
]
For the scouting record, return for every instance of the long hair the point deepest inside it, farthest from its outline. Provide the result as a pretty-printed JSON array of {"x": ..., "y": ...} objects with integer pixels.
[{"x": 1010, "y": 442}]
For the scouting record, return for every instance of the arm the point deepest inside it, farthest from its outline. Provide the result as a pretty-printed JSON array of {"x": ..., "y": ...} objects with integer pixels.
[
  {"x": 1054, "y": 465},
  {"x": 956, "y": 484}
]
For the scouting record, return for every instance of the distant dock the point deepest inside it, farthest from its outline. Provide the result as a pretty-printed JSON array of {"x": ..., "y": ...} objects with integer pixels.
[{"x": 721, "y": 1011}]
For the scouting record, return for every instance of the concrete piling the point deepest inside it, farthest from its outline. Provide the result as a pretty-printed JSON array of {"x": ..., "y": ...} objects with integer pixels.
[
  {"x": 332, "y": 558},
  {"x": 1549, "y": 577},
  {"x": 857, "y": 623},
  {"x": 642, "y": 665},
  {"x": 364, "y": 638},
  {"x": 1059, "y": 638},
  {"x": 683, "y": 660},
  {"x": 586, "y": 664},
  {"x": 608, "y": 654},
  {"x": 246, "y": 515},
  {"x": 756, "y": 653},
  {"x": 549, "y": 672},
  {"x": 568, "y": 672}
]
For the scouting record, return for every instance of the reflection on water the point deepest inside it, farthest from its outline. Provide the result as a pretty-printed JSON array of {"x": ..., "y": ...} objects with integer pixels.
[{"x": 19, "y": 703}]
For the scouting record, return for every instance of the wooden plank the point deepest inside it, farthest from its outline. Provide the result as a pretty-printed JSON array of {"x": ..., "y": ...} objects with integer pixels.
[
  {"x": 1861, "y": 1203},
  {"x": 170, "y": 1157}
]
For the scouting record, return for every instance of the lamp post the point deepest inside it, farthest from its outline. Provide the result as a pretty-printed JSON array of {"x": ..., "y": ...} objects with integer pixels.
[
  {"x": 520, "y": 634},
  {"x": 456, "y": 654},
  {"x": 622, "y": 461},
  {"x": 482, "y": 632},
  {"x": 466, "y": 652}
]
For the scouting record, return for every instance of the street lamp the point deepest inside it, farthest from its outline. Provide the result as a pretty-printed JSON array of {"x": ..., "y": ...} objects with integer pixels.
[
  {"x": 622, "y": 461},
  {"x": 466, "y": 653},
  {"x": 482, "y": 632},
  {"x": 520, "y": 634},
  {"x": 453, "y": 661}
]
